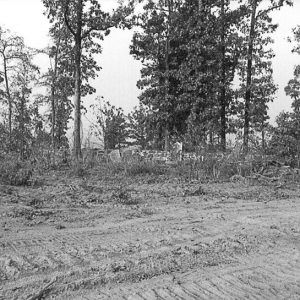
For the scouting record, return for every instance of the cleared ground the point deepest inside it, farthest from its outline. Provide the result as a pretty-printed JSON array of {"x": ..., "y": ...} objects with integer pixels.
[{"x": 149, "y": 238}]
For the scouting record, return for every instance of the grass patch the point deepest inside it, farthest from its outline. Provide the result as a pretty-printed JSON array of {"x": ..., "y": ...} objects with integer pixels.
[{"x": 123, "y": 196}]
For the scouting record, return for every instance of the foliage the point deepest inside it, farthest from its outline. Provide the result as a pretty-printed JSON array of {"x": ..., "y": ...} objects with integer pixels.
[
  {"x": 111, "y": 124},
  {"x": 255, "y": 71},
  {"x": 86, "y": 23},
  {"x": 13, "y": 171},
  {"x": 137, "y": 168},
  {"x": 20, "y": 77},
  {"x": 285, "y": 141},
  {"x": 140, "y": 131},
  {"x": 191, "y": 54},
  {"x": 123, "y": 196},
  {"x": 59, "y": 84}
]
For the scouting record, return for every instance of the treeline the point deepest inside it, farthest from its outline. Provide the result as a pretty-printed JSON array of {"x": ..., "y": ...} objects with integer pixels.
[
  {"x": 207, "y": 73},
  {"x": 207, "y": 67}
]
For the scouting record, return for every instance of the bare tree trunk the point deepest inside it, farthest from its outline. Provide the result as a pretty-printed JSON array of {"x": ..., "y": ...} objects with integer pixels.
[
  {"x": 53, "y": 117},
  {"x": 53, "y": 88},
  {"x": 167, "y": 138},
  {"x": 223, "y": 80},
  {"x": 263, "y": 138},
  {"x": 249, "y": 78},
  {"x": 77, "y": 98},
  {"x": 22, "y": 125},
  {"x": 167, "y": 81}
]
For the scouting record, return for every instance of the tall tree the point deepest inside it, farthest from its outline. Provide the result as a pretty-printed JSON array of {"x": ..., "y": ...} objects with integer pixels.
[
  {"x": 23, "y": 80},
  {"x": 154, "y": 46},
  {"x": 86, "y": 22},
  {"x": 228, "y": 53},
  {"x": 293, "y": 87},
  {"x": 293, "y": 90},
  {"x": 259, "y": 23},
  {"x": 12, "y": 52},
  {"x": 59, "y": 82}
]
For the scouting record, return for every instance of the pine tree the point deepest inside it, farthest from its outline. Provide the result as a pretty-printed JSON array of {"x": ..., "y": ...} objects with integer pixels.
[{"x": 256, "y": 29}]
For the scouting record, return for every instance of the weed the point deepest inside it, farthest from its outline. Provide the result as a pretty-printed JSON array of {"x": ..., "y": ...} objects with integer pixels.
[
  {"x": 145, "y": 168},
  {"x": 123, "y": 196},
  {"x": 78, "y": 169},
  {"x": 147, "y": 211},
  {"x": 15, "y": 172},
  {"x": 197, "y": 192}
]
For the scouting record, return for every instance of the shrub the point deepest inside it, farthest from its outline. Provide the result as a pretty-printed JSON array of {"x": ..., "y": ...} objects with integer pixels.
[
  {"x": 145, "y": 168},
  {"x": 78, "y": 169},
  {"x": 14, "y": 171},
  {"x": 123, "y": 196}
]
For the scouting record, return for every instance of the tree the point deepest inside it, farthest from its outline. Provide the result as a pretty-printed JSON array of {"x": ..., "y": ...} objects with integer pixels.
[
  {"x": 12, "y": 52},
  {"x": 139, "y": 126},
  {"x": 23, "y": 80},
  {"x": 285, "y": 138},
  {"x": 86, "y": 22},
  {"x": 259, "y": 24},
  {"x": 111, "y": 124},
  {"x": 154, "y": 46},
  {"x": 229, "y": 55},
  {"x": 288, "y": 124},
  {"x": 59, "y": 82},
  {"x": 293, "y": 87}
]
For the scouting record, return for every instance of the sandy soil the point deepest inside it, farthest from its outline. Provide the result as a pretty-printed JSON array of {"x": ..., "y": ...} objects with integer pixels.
[{"x": 149, "y": 238}]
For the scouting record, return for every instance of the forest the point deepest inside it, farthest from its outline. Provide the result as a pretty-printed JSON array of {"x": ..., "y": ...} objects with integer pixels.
[{"x": 206, "y": 81}]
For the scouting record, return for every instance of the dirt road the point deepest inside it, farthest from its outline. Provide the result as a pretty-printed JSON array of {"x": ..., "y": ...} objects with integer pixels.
[{"x": 131, "y": 239}]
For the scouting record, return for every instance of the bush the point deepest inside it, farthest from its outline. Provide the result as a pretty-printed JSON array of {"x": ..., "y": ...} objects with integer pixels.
[
  {"x": 123, "y": 196},
  {"x": 15, "y": 172},
  {"x": 145, "y": 168},
  {"x": 79, "y": 169}
]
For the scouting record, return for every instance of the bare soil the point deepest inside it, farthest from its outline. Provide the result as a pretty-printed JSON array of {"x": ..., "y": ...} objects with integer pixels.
[{"x": 149, "y": 238}]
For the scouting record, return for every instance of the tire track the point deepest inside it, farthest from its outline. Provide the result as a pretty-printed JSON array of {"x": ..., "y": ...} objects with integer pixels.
[
  {"x": 264, "y": 281},
  {"x": 212, "y": 235}
]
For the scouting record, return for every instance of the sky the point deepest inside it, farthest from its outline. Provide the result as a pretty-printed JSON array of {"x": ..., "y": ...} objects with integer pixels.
[{"x": 120, "y": 72}]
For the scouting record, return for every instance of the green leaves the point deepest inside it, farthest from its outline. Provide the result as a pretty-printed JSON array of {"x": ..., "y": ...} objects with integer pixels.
[
  {"x": 112, "y": 124},
  {"x": 293, "y": 87}
]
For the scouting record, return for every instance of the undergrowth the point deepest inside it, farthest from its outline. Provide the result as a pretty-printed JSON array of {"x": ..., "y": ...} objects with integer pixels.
[{"x": 15, "y": 172}]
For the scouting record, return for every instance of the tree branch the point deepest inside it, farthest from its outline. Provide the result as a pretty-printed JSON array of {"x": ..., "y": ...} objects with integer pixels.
[
  {"x": 98, "y": 28},
  {"x": 66, "y": 19},
  {"x": 262, "y": 12}
]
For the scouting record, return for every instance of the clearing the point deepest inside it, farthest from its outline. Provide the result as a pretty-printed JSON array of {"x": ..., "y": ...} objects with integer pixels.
[{"x": 149, "y": 238}]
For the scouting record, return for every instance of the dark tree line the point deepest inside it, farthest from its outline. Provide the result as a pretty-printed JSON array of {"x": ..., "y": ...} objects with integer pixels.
[
  {"x": 206, "y": 73},
  {"x": 207, "y": 67}
]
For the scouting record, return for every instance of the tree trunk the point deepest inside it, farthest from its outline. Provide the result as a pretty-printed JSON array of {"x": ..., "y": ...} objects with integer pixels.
[
  {"x": 167, "y": 138},
  {"x": 22, "y": 125},
  {"x": 223, "y": 80},
  {"x": 263, "y": 138},
  {"x": 167, "y": 83},
  {"x": 249, "y": 78},
  {"x": 53, "y": 106},
  {"x": 9, "y": 100},
  {"x": 53, "y": 117},
  {"x": 77, "y": 94}
]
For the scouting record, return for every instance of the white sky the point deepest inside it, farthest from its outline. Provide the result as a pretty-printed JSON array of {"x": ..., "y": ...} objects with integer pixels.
[{"x": 117, "y": 80}]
